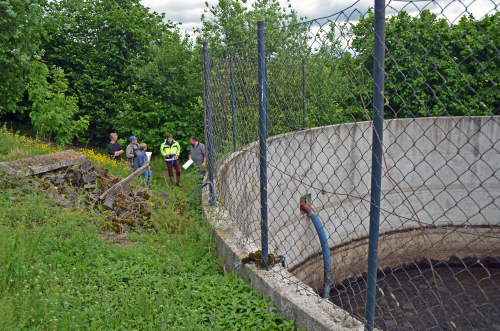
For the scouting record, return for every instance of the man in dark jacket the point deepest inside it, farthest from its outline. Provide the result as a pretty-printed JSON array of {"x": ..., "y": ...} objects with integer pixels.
[
  {"x": 114, "y": 148},
  {"x": 131, "y": 151}
]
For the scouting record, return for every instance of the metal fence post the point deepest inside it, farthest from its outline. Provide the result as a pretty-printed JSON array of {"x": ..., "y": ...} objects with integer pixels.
[
  {"x": 208, "y": 115},
  {"x": 262, "y": 81},
  {"x": 267, "y": 104},
  {"x": 232, "y": 100},
  {"x": 303, "y": 94},
  {"x": 376, "y": 182}
]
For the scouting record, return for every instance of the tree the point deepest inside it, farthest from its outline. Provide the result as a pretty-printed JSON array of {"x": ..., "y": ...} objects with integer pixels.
[
  {"x": 230, "y": 27},
  {"x": 97, "y": 43},
  {"x": 52, "y": 110},
  {"x": 166, "y": 96},
  {"x": 21, "y": 32},
  {"x": 434, "y": 68}
]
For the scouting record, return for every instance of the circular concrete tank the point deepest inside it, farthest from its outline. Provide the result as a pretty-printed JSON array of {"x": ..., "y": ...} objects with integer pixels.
[{"x": 441, "y": 182}]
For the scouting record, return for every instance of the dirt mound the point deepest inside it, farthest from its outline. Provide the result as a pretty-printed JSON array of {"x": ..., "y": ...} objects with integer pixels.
[{"x": 84, "y": 184}]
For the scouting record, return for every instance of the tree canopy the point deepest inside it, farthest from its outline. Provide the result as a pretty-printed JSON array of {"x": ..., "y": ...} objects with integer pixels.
[
  {"x": 434, "y": 68},
  {"x": 98, "y": 43},
  {"x": 88, "y": 68},
  {"x": 21, "y": 32}
]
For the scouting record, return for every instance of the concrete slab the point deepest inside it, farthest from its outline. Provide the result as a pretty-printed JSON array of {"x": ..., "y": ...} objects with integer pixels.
[{"x": 44, "y": 163}]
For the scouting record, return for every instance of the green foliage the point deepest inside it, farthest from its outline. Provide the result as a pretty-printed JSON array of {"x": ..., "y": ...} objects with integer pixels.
[
  {"x": 132, "y": 73},
  {"x": 127, "y": 69},
  {"x": 14, "y": 146},
  {"x": 98, "y": 44},
  {"x": 166, "y": 96},
  {"x": 231, "y": 22},
  {"x": 231, "y": 31},
  {"x": 21, "y": 32},
  {"x": 434, "y": 69},
  {"x": 57, "y": 273},
  {"x": 52, "y": 109},
  {"x": 174, "y": 215},
  {"x": 334, "y": 85}
]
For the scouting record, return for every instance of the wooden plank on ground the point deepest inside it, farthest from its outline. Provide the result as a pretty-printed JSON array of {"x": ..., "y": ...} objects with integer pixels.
[{"x": 124, "y": 182}]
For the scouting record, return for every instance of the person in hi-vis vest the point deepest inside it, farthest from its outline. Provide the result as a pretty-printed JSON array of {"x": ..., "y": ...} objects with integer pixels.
[{"x": 170, "y": 149}]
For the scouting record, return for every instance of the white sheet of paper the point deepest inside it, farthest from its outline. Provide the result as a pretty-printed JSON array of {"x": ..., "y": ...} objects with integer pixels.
[
  {"x": 187, "y": 164},
  {"x": 149, "y": 154}
]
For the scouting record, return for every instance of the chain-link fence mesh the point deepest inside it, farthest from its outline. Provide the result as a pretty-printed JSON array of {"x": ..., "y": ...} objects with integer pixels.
[{"x": 438, "y": 244}]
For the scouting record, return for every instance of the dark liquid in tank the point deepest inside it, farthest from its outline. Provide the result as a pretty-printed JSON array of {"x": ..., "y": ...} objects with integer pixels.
[{"x": 408, "y": 300}]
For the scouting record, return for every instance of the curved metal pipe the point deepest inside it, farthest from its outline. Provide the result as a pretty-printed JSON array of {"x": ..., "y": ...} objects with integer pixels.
[{"x": 325, "y": 248}]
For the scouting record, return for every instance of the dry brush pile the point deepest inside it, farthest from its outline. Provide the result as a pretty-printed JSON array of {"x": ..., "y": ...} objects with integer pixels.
[{"x": 84, "y": 184}]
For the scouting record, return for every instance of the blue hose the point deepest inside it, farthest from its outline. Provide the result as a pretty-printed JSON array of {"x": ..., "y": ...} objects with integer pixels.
[{"x": 325, "y": 248}]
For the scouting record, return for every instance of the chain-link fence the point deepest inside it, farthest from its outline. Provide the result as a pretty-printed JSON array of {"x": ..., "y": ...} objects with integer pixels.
[{"x": 364, "y": 148}]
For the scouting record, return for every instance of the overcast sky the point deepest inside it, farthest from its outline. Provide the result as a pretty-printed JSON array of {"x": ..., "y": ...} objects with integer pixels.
[{"x": 189, "y": 11}]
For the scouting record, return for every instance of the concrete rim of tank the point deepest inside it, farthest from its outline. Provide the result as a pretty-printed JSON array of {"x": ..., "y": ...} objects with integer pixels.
[{"x": 228, "y": 233}]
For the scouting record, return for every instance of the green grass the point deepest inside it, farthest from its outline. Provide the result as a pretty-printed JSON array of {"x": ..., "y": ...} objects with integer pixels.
[
  {"x": 14, "y": 146},
  {"x": 58, "y": 273},
  {"x": 160, "y": 176}
]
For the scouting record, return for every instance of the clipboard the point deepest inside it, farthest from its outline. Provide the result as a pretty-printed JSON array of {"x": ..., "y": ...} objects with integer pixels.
[{"x": 187, "y": 164}]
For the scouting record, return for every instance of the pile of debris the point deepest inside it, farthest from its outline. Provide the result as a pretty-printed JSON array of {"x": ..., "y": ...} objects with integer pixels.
[{"x": 85, "y": 183}]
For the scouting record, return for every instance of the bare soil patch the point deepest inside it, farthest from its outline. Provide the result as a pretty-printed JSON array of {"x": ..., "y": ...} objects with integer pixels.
[{"x": 120, "y": 239}]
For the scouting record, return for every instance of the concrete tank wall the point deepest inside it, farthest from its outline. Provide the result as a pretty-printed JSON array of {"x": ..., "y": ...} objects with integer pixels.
[{"x": 446, "y": 167}]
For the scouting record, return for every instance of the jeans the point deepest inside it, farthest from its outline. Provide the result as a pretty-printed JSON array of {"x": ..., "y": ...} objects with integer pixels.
[{"x": 147, "y": 174}]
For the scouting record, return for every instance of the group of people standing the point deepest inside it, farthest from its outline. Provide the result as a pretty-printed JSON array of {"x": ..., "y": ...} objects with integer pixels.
[{"x": 170, "y": 149}]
